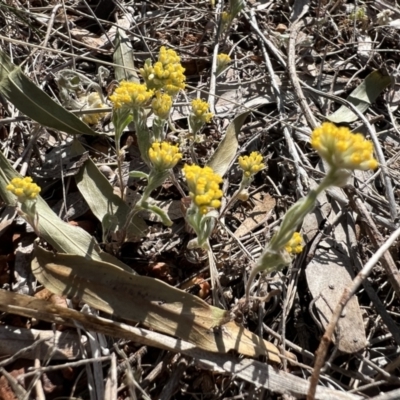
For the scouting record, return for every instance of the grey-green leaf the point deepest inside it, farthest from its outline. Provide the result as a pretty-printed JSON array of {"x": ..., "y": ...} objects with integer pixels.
[
  {"x": 139, "y": 174},
  {"x": 362, "y": 97},
  {"x": 101, "y": 199},
  {"x": 123, "y": 56},
  {"x": 226, "y": 151},
  {"x": 35, "y": 103},
  {"x": 61, "y": 235}
]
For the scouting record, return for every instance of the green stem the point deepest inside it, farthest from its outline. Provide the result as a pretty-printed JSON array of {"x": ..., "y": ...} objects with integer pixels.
[
  {"x": 120, "y": 160},
  {"x": 158, "y": 129},
  {"x": 274, "y": 257}
]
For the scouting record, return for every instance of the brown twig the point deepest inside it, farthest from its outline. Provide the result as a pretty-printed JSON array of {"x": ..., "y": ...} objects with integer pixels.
[{"x": 346, "y": 296}]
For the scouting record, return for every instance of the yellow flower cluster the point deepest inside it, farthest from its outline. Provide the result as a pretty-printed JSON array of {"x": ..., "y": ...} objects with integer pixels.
[
  {"x": 222, "y": 60},
  {"x": 251, "y": 164},
  {"x": 23, "y": 188},
  {"x": 342, "y": 149},
  {"x": 167, "y": 73},
  {"x": 131, "y": 95},
  {"x": 161, "y": 105},
  {"x": 93, "y": 101},
  {"x": 200, "y": 110},
  {"x": 203, "y": 187},
  {"x": 295, "y": 244},
  {"x": 164, "y": 156}
]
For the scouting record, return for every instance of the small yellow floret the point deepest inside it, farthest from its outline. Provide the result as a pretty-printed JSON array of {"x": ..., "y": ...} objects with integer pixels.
[
  {"x": 295, "y": 244},
  {"x": 223, "y": 60},
  {"x": 225, "y": 17},
  {"x": 23, "y": 188},
  {"x": 131, "y": 95},
  {"x": 168, "y": 56},
  {"x": 200, "y": 110},
  {"x": 164, "y": 156},
  {"x": 342, "y": 149},
  {"x": 251, "y": 164},
  {"x": 162, "y": 105},
  {"x": 203, "y": 186}
]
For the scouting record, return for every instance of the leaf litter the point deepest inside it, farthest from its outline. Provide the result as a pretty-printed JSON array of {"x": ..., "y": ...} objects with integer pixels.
[{"x": 340, "y": 51}]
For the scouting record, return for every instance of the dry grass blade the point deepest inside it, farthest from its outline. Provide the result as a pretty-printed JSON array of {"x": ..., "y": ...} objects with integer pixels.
[
  {"x": 252, "y": 371},
  {"x": 149, "y": 301}
]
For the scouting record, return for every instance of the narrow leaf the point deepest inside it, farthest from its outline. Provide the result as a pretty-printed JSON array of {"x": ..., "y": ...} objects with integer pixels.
[
  {"x": 226, "y": 151},
  {"x": 139, "y": 174},
  {"x": 35, "y": 103},
  {"x": 362, "y": 97},
  {"x": 99, "y": 195},
  {"x": 62, "y": 236},
  {"x": 123, "y": 56},
  {"x": 146, "y": 300}
]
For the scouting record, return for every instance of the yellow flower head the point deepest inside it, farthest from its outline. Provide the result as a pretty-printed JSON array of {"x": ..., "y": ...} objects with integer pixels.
[
  {"x": 225, "y": 17},
  {"x": 342, "y": 149},
  {"x": 131, "y": 95},
  {"x": 223, "y": 60},
  {"x": 93, "y": 101},
  {"x": 164, "y": 156},
  {"x": 251, "y": 164},
  {"x": 203, "y": 187},
  {"x": 23, "y": 188},
  {"x": 200, "y": 110},
  {"x": 162, "y": 105},
  {"x": 167, "y": 73},
  {"x": 295, "y": 244}
]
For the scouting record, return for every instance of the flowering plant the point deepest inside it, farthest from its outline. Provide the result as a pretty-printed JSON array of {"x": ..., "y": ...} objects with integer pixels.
[
  {"x": 163, "y": 157},
  {"x": 344, "y": 152},
  {"x": 204, "y": 190},
  {"x": 131, "y": 100}
]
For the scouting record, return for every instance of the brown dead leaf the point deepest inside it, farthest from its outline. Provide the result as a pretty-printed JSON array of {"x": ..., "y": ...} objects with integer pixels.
[
  {"x": 6, "y": 392},
  {"x": 149, "y": 301},
  {"x": 87, "y": 37},
  {"x": 259, "y": 213},
  {"x": 327, "y": 276}
]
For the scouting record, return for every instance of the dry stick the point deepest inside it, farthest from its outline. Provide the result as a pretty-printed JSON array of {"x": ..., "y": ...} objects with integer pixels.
[
  {"x": 267, "y": 42},
  {"x": 378, "y": 149},
  {"x": 19, "y": 391},
  {"x": 69, "y": 36},
  {"x": 173, "y": 383},
  {"x": 21, "y": 353},
  {"x": 347, "y": 294},
  {"x": 72, "y": 364},
  {"x": 38, "y": 385},
  {"x": 250, "y": 370},
  {"x": 99, "y": 24},
  {"x": 294, "y": 31},
  {"x": 376, "y": 239},
  {"x": 111, "y": 385},
  {"x": 101, "y": 62},
  {"x": 49, "y": 29},
  {"x": 300, "y": 172},
  {"x": 379, "y": 306},
  {"x": 65, "y": 53},
  {"x": 213, "y": 77},
  {"x": 309, "y": 355}
]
